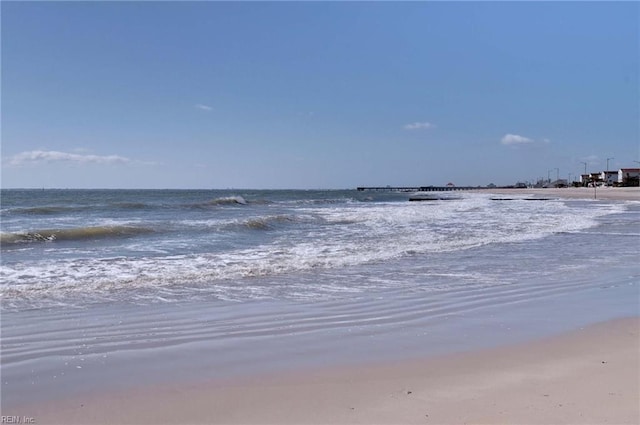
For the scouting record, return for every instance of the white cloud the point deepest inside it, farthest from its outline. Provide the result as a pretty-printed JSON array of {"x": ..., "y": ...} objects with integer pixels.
[
  {"x": 515, "y": 139},
  {"x": 204, "y": 107},
  {"x": 418, "y": 126},
  {"x": 39, "y": 156},
  {"x": 591, "y": 159}
]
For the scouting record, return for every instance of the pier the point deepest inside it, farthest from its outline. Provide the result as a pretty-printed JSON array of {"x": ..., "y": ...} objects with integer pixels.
[{"x": 417, "y": 188}]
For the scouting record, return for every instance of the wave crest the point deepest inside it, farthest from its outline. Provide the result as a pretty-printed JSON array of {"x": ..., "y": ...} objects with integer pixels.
[
  {"x": 73, "y": 234},
  {"x": 266, "y": 223},
  {"x": 228, "y": 200}
]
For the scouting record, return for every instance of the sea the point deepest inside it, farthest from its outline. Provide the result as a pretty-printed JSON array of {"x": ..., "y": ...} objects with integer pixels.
[{"x": 109, "y": 289}]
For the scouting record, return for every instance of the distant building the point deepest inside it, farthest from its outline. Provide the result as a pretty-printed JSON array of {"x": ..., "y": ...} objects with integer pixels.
[
  {"x": 540, "y": 183},
  {"x": 585, "y": 179},
  {"x": 595, "y": 178},
  {"x": 609, "y": 177},
  {"x": 629, "y": 177}
]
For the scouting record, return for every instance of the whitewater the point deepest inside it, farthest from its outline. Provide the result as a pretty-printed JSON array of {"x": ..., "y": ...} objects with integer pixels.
[{"x": 113, "y": 286}]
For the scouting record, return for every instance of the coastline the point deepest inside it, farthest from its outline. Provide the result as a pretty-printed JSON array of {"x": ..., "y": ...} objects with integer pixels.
[
  {"x": 589, "y": 375},
  {"x": 601, "y": 193},
  {"x": 466, "y": 353}
]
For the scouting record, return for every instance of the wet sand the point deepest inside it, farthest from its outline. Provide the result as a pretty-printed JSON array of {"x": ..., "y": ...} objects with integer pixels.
[{"x": 590, "y": 375}]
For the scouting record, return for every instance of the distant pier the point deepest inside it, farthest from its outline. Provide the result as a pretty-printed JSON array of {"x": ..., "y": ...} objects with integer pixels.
[{"x": 417, "y": 188}]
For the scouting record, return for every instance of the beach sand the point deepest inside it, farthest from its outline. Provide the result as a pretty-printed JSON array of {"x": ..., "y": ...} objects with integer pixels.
[
  {"x": 603, "y": 193},
  {"x": 588, "y": 376}
]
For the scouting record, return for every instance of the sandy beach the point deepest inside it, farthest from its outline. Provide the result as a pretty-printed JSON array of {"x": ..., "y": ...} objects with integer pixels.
[
  {"x": 542, "y": 348},
  {"x": 604, "y": 193},
  {"x": 588, "y": 376},
  {"x": 217, "y": 212}
]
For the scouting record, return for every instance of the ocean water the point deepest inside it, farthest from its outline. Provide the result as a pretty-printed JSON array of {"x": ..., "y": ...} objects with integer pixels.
[{"x": 102, "y": 286}]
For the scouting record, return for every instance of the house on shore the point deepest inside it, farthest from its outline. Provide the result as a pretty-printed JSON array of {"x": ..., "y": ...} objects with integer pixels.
[
  {"x": 585, "y": 179},
  {"x": 609, "y": 178},
  {"x": 629, "y": 177},
  {"x": 622, "y": 177},
  {"x": 590, "y": 179}
]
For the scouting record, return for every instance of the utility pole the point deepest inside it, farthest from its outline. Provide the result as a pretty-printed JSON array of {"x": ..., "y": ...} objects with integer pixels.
[
  {"x": 606, "y": 173},
  {"x": 585, "y": 171}
]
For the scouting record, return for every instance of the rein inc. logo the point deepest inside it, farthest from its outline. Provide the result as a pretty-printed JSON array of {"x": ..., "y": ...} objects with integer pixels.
[{"x": 16, "y": 419}]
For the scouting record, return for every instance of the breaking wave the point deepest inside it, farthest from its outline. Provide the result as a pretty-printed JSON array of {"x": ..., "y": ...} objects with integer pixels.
[
  {"x": 41, "y": 210},
  {"x": 228, "y": 200},
  {"x": 75, "y": 234},
  {"x": 267, "y": 223}
]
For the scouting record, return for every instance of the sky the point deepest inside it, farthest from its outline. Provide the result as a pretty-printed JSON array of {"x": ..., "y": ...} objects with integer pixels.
[{"x": 316, "y": 95}]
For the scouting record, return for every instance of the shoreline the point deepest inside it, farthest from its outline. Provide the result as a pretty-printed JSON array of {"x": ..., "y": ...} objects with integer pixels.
[
  {"x": 600, "y": 193},
  {"x": 472, "y": 339},
  {"x": 589, "y": 375}
]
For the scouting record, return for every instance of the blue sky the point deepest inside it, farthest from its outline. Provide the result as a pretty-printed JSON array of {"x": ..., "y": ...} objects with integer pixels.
[{"x": 315, "y": 94}]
